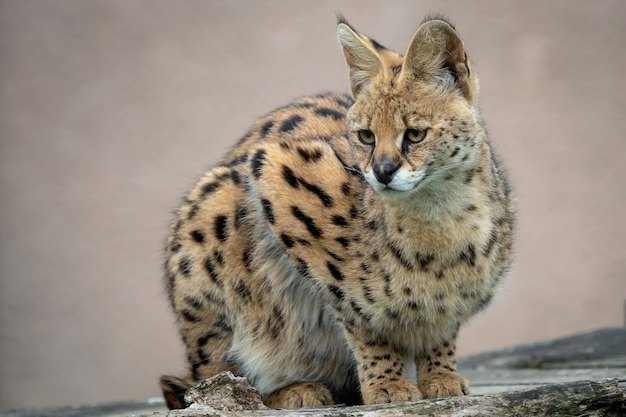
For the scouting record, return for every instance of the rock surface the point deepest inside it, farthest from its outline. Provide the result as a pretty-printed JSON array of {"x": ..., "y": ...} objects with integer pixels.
[{"x": 225, "y": 392}]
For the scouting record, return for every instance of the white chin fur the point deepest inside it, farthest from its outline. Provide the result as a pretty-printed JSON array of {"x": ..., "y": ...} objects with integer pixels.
[{"x": 403, "y": 181}]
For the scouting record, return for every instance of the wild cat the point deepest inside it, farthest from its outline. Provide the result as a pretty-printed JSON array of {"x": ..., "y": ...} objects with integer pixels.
[{"x": 334, "y": 253}]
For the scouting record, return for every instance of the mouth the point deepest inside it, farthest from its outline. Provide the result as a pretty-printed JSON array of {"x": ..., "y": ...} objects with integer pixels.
[
  {"x": 395, "y": 192},
  {"x": 402, "y": 184}
]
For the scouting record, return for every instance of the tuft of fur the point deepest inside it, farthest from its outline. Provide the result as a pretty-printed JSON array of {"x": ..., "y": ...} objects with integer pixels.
[{"x": 337, "y": 249}]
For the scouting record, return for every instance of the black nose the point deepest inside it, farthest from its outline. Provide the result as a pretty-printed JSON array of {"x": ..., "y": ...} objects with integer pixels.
[{"x": 384, "y": 171}]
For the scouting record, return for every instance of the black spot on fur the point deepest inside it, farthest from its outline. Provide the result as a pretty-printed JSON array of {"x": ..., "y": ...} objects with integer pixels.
[
  {"x": 194, "y": 302},
  {"x": 335, "y": 256},
  {"x": 359, "y": 311},
  {"x": 219, "y": 257},
  {"x": 345, "y": 101},
  {"x": 290, "y": 177},
  {"x": 310, "y": 155},
  {"x": 188, "y": 316},
  {"x": 193, "y": 211},
  {"x": 326, "y": 112},
  {"x": 258, "y": 160},
  {"x": 367, "y": 293},
  {"x": 243, "y": 291},
  {"x": 175, "y": 246},
  {"x": 455, "y": 152},
  {"x": 209, "y": 266},
  {"x": 291, "y": 123},
  {"x": 325, "y": 198},
  {"x": 208, "y": 188},
  {"x": 335, "y": 271},
  {"x": 235, "y": 176},
  {"x": 212, "y": 298},
  {"x": 267, "y": 126},
  {"x": 339, "y": 220},
  {"x": 238, "y": 161},
  {"x": 415, "y": 304},
  {"x": 468, "y": 255},
  {"x": 184, "y": 266},
  {"x": 484, "y": 301},
  {"x": 424, "y": 260},
  {"x": 336, "y": 291},
  {"x": 343, "y": 241},
  {"x": 222, "y": 324},
  {"x": 493, "y": 238},
  {"x": 302, "y": 266},
  {"x": 354, "y": 212},
  {"x": 372, "y": 225},
  {"x": 268, "y": 210},
  {"x": 203, "y": 357},
  {"x": 313, "y": 229},
  {"x": 240, "y": 213},
  {"x": 221, "y": 227},
  {"x": 394, "y": 314},
  {"x": 287, "y": 240},
  {"x": 387, "y": 279},
  {"x": 397, "y": 252},
  {"x": 245, "y": 258},
  {"x": 198, "y": 236},
  {"x": 275, "y": 327},
  {"x": 202, "y": 341}
]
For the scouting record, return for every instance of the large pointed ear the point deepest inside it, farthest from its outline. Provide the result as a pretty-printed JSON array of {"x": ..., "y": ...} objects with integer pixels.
[
  {"x": 361, "y": 57},
  {"x": 437, "y": 46}
]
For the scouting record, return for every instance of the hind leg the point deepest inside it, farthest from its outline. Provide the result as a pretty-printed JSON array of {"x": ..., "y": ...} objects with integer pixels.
[
  {"x": 206, "y": 357},
  {"x": 206, "y": 332},
  {"x": 300, "y": 395}
]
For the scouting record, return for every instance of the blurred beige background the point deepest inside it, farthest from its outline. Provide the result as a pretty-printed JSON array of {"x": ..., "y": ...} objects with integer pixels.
[{"x": 109, "y": 110}]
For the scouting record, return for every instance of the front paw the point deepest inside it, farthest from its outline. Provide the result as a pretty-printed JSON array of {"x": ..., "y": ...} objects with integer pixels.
[
  {"x": 300, "y": 395},
  {"x": 391, "y": 392},
  {"x": 441, "y": 385}
]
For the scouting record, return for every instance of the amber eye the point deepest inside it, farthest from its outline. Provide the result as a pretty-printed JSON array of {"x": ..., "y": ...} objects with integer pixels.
[
  {"x": 366, "y": 137},
  {"x": 414, "y": 135}
]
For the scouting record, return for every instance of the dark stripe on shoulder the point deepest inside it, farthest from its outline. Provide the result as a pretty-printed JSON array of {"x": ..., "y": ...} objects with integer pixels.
[
  {"x": 291, "y": 123},
  {"x": 335, "y": 271},
  {"x": 258, "y": 160},
  {"x": 325, "y": 198},
  {"x": 313, "y": 155},
  {"x": 313, "y": 229},
  {"x": 267, "y": 126},
  {"x": 221, "y": 227},
  {"x": 336, "y": 291},
  {"x": 268, "y": 210},
  {"x": 327, "y": 112}
]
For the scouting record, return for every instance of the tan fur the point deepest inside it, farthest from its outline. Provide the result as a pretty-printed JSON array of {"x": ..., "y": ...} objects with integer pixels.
[{"x": 316, "y": 264}]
